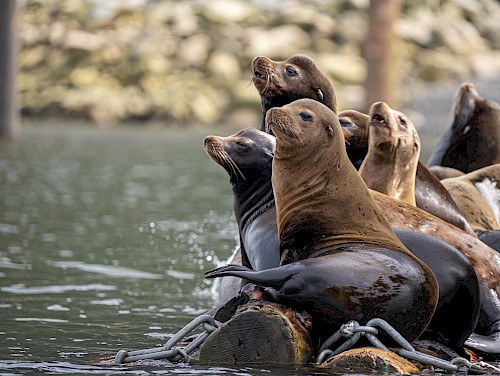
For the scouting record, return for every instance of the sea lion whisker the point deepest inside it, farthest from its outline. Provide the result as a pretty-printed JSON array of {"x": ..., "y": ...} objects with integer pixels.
[
  {"x": 236, "y": 169},
  {"x": 227, "y": 161},
  {"x": 268, "y": 82}
]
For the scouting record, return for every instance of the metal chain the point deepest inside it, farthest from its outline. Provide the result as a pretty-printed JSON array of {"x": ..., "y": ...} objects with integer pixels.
[
  {"x": 168, "y": 351},
  {"x": 352, "y": 331}
]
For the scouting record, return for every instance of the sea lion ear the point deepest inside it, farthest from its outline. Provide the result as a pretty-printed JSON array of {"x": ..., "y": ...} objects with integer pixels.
[
  {"x": 320, "y": 93},
  {"x": 329, "y": 129}
]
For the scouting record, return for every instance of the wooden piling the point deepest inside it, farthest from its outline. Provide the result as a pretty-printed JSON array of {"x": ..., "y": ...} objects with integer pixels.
[
  {"x": 8, "y": 101},
  {"x": 382, "y": 74}
]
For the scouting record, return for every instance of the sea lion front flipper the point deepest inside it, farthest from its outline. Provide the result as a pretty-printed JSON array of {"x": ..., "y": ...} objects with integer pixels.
[
  {"x": 217, "y": 272},
  {"x": 274, "y": 277}
]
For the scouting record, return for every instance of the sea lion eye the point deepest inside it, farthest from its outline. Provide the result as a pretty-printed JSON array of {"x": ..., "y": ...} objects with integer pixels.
[
  {"x": 291, "y": 71},
  {"x": 402, "y": 121},
  {"x": 241, "y": 143},
  {"x": 305, "y": 116}
]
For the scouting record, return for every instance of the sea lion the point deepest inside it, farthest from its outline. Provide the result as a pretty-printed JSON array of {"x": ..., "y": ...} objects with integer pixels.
[
  {"x": 239, "y": 155},
  {"x": 457, "y": 309},
  {"x": 391, "y": 162},
  {"x": 473, "y": 139},
  {"x": 477, "y": 194},
  {"x": 338, "y": 264},
  {"x": 430, "y": 195},
  {"x": 442, "y": 172},
  {"x": 282, "y": 82},
  {"x": 486, "y": 261}
]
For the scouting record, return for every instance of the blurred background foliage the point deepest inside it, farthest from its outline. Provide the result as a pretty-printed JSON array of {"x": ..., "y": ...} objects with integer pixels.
[{"x": 188, "y": 61}]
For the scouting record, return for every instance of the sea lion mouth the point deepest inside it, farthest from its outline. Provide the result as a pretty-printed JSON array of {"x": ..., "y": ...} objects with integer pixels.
[
  {"x": 377, "y": 118},
  {"x": 263, "y": 76},
  {"x": 260, "y": 75},
  {"x": 215, "y": 150},
  {"x": 278, "y": 123}
]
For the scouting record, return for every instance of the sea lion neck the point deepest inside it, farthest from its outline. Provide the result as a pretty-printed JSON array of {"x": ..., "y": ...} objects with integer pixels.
[{"x": 252, "y": 196}]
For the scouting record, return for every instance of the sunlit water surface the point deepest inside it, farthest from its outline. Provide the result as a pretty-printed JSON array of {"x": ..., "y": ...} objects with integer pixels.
[{"x": 104, "y": 238}]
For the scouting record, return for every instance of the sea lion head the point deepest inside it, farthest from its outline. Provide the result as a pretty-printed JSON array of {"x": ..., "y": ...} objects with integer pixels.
[
  {"x": 302, "y": 128},
  {"x": 471, "y": 110},
  {"x": 355, "y": 129},
  {"x": 242, "y": 154},
  {"x": 391, "y": 132},
  {"x": 473, "y": 139},
  {"x": 393, "y": 150},
  {"x": 282, "y": 82}
]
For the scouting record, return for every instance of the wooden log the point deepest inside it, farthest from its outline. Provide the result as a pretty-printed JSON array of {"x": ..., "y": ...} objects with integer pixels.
[
  {"x": 369, "y": 358},
  {"x": 260, "y": 333}
]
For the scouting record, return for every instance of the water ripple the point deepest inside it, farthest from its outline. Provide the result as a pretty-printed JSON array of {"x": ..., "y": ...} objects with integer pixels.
[
  {"x": 56, "y": 289},
  {"x": 39, "y": 319},
  {"x": 107, "y": 270}
]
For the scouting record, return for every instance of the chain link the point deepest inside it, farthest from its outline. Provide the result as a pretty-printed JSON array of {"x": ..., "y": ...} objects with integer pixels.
[
  {"x": 352, "y": 331},
  {"x": 168, "y": 351}
]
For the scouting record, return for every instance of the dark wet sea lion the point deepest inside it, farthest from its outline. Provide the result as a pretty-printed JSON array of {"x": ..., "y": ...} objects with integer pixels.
[
  {"x": 457, "y": 309},
  {"x": 241, "y": 155},
  {"x": 325, "y": 252},
  {"x": 282, "y": 82},
  {"x": 486, "y": 262},
  {"x": 473, "y": 139},
  {"x": 442, "y": 172},
  {"x": 430, "y": 195},
  {"x": 391, "y": 162},
  {"x": 492, "y": 238},
  {"x": 477, "y": 194}
]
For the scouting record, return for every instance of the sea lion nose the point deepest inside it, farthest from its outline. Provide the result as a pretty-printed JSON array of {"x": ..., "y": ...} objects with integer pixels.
[
  {"x": 255, "y": 60},
  {"x": 207, "y": 140}
]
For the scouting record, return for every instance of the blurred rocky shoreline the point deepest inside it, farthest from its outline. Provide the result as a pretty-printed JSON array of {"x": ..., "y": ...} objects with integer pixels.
[{"x": 188, "y": 62}]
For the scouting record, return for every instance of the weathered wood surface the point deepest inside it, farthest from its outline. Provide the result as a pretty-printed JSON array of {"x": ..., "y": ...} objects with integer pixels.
[
  {"x": 370, "y": 358},
  {"x": 259, "y": 333}
]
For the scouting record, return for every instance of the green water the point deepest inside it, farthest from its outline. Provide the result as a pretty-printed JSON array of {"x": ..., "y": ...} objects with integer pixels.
[{"x": 104, "y": 238}]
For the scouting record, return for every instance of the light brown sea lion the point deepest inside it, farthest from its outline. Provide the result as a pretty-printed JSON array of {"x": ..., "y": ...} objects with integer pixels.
[
  {"x": 473, "y": 139},
  {"x": 477, "y": 195},
  {"x": 430, "y": 194},
  {"x": 340, "y": 258},
  {"x": 390, "y": 165},
  {"x": 442, "y": 172},
  {"x": 282, "y": 82}
]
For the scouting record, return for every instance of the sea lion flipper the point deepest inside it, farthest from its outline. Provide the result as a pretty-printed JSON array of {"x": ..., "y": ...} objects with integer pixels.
[
  {"x": 487, "y": 346},
  {"x": 221, "y": 271}
]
